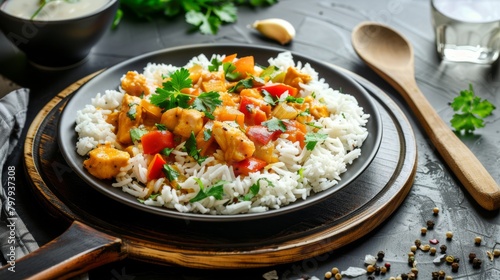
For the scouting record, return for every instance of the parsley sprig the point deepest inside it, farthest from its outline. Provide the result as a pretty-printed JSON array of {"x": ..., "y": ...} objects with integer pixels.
[
  {"x": 205, "y": 16},
  {"x": 470, "y": 110},
  {"x": 171, "y": 96}
]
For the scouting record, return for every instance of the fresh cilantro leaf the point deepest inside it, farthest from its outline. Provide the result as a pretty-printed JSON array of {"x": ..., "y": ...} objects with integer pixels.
[
  {"x": 171, "y": 173},
  {"x": 137, "y": 133},
  {"x": 161, "y": 126},
  {"x": 472, "y": 110},
  {"x": 241, "y": 84},
  {"x": 230, "y": 71},
  {"x": 207, "y": 102},
  {"x": 166, "y": 151},
  {"x": 214, "y": 65},
  {"x": 192, "y": 150},
  {"x": 255, "y": 188},
  {"x": 314, "y": 125},
  {"x": 269, "y": 98},
  {"x": 132, "y": 111},
  {"x": 275, "y": 124},
  {"x": 207, "y": 134},
  {"x": 226, "y": 13},
  {"x": 217, "y": 190},
  {"x": 313, "y": 138},
  {"x": 170, "y": 96}
]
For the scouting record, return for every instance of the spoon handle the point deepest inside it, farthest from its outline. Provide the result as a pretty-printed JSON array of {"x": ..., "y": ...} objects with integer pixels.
[{"x": 464, "y": 164}]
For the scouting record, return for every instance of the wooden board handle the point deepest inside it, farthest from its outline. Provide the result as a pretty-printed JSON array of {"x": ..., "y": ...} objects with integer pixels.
[{"x": 79, "y": 249}]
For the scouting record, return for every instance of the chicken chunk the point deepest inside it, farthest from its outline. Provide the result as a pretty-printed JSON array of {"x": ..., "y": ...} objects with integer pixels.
[
  {"x": 135, "y": 84},
  {"x": 294, "y": 78},
  {"x": 130, "y": 117},
  {"x": 232, "y": 141},
  {"x": 183, "y": 121},
  {"x": 104, "y": 162}
]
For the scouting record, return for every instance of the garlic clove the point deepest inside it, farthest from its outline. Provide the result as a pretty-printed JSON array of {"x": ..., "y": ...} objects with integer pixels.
[{"x": 275, "y": 28}]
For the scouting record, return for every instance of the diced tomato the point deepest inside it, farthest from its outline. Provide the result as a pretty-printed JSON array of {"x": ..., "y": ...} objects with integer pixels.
[
  {"x": 248, "y": 165},
  {"x": 296, "y": 131},
  {"x": 278, "y": 89},
  {"x": 255, "y": 110},
  {"x": 155, "y": 167},
  {"x": 261, "y": 135},
  {"x": 155, "y": 141}
]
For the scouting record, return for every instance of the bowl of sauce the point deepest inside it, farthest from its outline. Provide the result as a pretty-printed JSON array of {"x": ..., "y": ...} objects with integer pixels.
[{"x": 56, "y": 33}]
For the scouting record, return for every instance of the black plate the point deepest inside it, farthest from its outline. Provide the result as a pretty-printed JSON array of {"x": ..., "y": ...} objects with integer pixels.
[{"x": 109, "y": 79}]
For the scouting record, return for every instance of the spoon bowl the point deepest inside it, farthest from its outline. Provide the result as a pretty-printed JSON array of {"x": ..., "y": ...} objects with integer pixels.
[{"x": 390, "y": 55}]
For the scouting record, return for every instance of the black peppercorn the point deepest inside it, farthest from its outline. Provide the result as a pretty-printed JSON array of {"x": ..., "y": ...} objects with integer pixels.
[
  {"x": 430, "y": 224},
  {"x": 454, "y": 267},
  {"x": 380, "y": 255},
  {"x": 371, "y": 277},
  {"x": 435, "y": 275},
  {"x": 472, "y": 256},
  {"x": 476, "y": 263},
  {"x": 443, "y": 249},
  {"x": 404, "y": 276}
]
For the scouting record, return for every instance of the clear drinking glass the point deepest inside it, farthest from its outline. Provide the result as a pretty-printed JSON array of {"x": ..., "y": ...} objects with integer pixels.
[{"x": 467, "y": 30}]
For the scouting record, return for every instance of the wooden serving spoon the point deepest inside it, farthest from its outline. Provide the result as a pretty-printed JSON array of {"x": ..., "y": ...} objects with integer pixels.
[{"x": 390, "y": 55}]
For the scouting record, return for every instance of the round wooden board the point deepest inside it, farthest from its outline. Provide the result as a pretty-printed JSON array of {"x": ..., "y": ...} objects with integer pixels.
[{"x": 346, "y": 216}]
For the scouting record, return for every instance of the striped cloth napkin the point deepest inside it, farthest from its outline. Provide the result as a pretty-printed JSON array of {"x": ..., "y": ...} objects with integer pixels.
[{"x": 15, "y": 239}]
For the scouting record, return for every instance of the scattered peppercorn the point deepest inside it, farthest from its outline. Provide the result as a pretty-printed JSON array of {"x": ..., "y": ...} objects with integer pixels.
[
  {"x": 338, "y": 276},
  {"x": 423, "y": 231},
  {"x": 418, "y": 242},
  {"x": 371, "y": 277},
  {"x": 477, "y": 240},
  {"x": 472, "y": 256},
  {"x": 411, "y": 260},
  {"x": 432, "y": 251},
  {"x": 370, "y": 268},
  {"x": 335, "y": 270},
  {"x": 449, "y": 235},
  {"x": 435, "y": 211},
  {"x": 430, "y": 224},
  {"x": 435, "y": 275},
  {"x": 442, "y": 274},
  {"x": 388, "y": 266},
  {"x": 328, "y": 275},
  {"x": 404, "y": 276},
  {"x": 496, "y": 253},
  {"x": 450, "y": 259},
  {"x": 476, "y": 263},
  {"x": 443, "y": 248},
  {"x": 383, "y": 270},
  {"x": 448, "y": 277},
  {"x": 454, "y": 267},
  {"x": 414, "y": 270},
  {"x": 380, "y": 255},
  {"x": 413, "y": 248}
]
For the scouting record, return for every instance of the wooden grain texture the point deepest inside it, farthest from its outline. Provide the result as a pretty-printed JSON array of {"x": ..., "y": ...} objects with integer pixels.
[
  {"x": 346, "y": 216},
  {"x": 391, "y": 56}
]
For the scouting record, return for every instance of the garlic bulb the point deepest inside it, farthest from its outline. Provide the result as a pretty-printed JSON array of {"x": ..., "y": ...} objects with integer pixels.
[{"x": 276, "y": 29}]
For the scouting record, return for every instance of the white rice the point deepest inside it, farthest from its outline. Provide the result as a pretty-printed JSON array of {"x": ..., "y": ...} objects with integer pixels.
[{"x": 280, "y": 183}]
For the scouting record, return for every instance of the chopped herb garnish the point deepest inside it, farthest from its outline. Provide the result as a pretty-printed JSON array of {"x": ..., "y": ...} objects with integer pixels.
[
  {"x": 269, "y": 98},
  {"x": 473, "y": 110},
  {"x": 166, "y": 151},
  {"x": 132, "y": 111},
  {"x": 217, "y": 190},
  {"x": 255, "y": 188},
  {"x": 161, "y": 126},
  {"x": 241, "y": 84},
  {"x": 136, "y": 134},
  {"x": 275, "y": 124},
  {"x": 313, "y": 138},
  {"x": 170, "y": 95},
  {"x": 230, "y": 71},
  {"x": 313, "y": 124},
  {"x": 192, "y": 150},
  {"x": 214, "y": 65},
  {"x": 207, "y": 102},
  {"x": 292, "y": 99},
  {"x": 207, "y": 134},
  {"x": 170, "y": 172}
]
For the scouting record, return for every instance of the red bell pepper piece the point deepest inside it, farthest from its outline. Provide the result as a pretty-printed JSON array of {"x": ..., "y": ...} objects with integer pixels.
[
  {"x": 254, "y": 110},
  {"x": 248, "y": 165},
  {"x": 155, "y": 141},
  {"x": 278, "y": 89},
  {"x": 261, "y": 135},
  {"x": 155, "y": 167}
]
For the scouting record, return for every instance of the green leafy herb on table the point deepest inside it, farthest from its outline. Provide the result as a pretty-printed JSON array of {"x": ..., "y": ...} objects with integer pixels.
[
  {"x": 206, "y": 16},
  {"x": 470, "y": 110}
]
